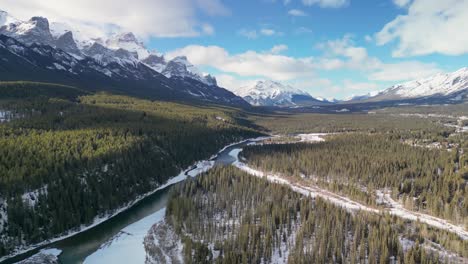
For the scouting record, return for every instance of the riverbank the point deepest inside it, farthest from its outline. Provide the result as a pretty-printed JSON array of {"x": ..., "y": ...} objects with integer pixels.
[{"x": 192, "y": 171}]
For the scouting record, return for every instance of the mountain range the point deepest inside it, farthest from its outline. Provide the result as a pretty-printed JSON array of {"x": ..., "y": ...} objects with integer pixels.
[
  {"x": 451, "y": 87},
  {"x": 31, "y": 51},
  {"x": 36, "y": 50}
]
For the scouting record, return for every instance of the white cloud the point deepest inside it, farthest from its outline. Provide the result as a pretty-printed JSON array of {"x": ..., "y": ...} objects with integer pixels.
[
  {"x": 326, "y": 3},
  {"x": 159, "y": 18},
  {"x": 431, "y": 26},
  {"x": 296, "y": 12},
  {"x": 278, "y": 49},
  {"x": 232, "y": 82},
  {"x": 343, "y": 54},
  {"x": 248, "y": 64},
  {"x": 207, "y": 29},
  {"x": 401, "y": 3},
  {"x": 286, "y": 2},
  {"x": 404, "y": 71},
  {"x": 267, "y": 32},
  {"x": 358, "y": 86},
  {"x": 303, "y": 30},
  {"x": 250, "y": 34}
]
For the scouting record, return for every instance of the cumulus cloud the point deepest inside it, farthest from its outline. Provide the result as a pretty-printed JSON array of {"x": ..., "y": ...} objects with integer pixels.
[
  {"x": 430, "y": 26},
  {"x": 297, "y": 12},
  {"x": 232, "y": 82},
  {"x": 158, "y": 18},
  {"x": 404, "y": 71},
  {"x": 344, "y": 54},
  {"x": 326, "y": 3},
  {"x": 248, "y": 64},
  {"x": 278, "y": 49},
  {"x": 267, "y": 31},
  {"x": 250, "y": 34},
  {"x": 401, "y": 3}
]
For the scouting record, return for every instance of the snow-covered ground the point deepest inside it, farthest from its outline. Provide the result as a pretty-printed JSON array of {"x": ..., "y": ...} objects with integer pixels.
[
  {"x": 313, "y": 137},
  {"x": 45, "y": 256},
  {"x": 163, "y": 245},
  {"x": 32, "y": 197},
  {"x": 394, "y": 207}
]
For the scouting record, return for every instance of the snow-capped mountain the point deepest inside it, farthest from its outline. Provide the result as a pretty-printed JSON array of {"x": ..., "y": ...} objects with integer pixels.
[
  {"x": 128, "y": 41},
  {"x": 36, "y": 30},
  {"x": 156, "y": 62},
  {"x": 440, "y": 84},
  {"x": 271, "y": 93},
  {"x": 121, "y": 58},
  {"x": 67, "y": 43},
  {"x": 443, "y": 86},
  {"x": 43, "y": 63},
  {"x": 361, "y": 97},
  {"x": 180, "y": 67}
]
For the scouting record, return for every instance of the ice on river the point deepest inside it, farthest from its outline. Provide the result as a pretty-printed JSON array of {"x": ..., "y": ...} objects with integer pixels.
[{"x": 127, "y": 246}]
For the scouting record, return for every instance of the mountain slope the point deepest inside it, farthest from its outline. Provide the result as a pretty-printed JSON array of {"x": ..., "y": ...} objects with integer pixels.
[
  {"x": 46, "y": 64},
  {"x": 121, "y": 64},
  {"x": 440, "y": 88},
  {"x": 271, "y": 93}
]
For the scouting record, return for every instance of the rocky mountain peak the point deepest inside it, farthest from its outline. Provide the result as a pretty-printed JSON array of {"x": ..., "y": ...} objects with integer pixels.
[
  {"x": 41, "y": 23},
  {"x": 67, "y": 43}
]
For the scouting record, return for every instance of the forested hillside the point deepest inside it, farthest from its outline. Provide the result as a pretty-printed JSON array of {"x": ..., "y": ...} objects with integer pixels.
[
  {"x": 228, "y": 216},
  {"x": 67, "y": 156},
  {"x": 425, "y": 179}
]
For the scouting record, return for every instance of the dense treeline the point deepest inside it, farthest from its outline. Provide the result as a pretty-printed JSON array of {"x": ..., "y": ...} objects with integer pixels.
[
  {"x": 431, "y": 180},
  {"x": 64, "y": 162},
  {"x": 228, "y": 216},
  {"x": 283, "y": 123}
]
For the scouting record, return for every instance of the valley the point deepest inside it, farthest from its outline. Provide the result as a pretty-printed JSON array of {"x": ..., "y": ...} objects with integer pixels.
[{"x": 175, "y": 132}]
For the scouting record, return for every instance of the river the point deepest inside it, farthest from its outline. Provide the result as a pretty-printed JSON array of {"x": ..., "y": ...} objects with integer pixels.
[{"x": 78, "y": 248}]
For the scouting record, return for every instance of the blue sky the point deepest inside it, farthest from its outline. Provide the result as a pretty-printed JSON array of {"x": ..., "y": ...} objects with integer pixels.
[{"x": 329, "y": 48}]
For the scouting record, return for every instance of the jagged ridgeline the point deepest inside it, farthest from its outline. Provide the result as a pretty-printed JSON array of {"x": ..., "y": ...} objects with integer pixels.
[
  {"x": 68, "y": 156},
  {"x": 228, "y": 216}
]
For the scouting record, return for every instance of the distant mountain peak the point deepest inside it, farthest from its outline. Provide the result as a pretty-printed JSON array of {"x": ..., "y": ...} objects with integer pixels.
[
  {"x": 130, "y": 42},
  {"x": 36, "y": 30},
  {"x": 127, "y": 37},
  {"x": 273, "y": 93},
  {"x": 181, "y": 67},
  {"x": 41, "y": 22},
  {"x": 441, "y": 85},
  {"x": 67, "y": 43}
]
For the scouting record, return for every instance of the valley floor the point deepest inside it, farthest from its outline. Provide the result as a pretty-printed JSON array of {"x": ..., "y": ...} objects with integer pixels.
[{"x": 391, "y": 206}]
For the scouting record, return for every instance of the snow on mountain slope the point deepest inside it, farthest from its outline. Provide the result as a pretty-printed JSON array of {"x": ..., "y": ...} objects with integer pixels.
[
  {"x": 82, "y": 40},
  {"x": 35, "y": 30},
  {"x": 121, "y": 57},
  {"x": 155, "y": 62},
  {"x": 181, "y": 67},
  {"x": 362, "y": 97},
  {"x": 440, "y": 84},
  {"x": 271, "y": 93},
  {"x": 6, "y": 19},
  {"x": 128, "y": 41}
]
